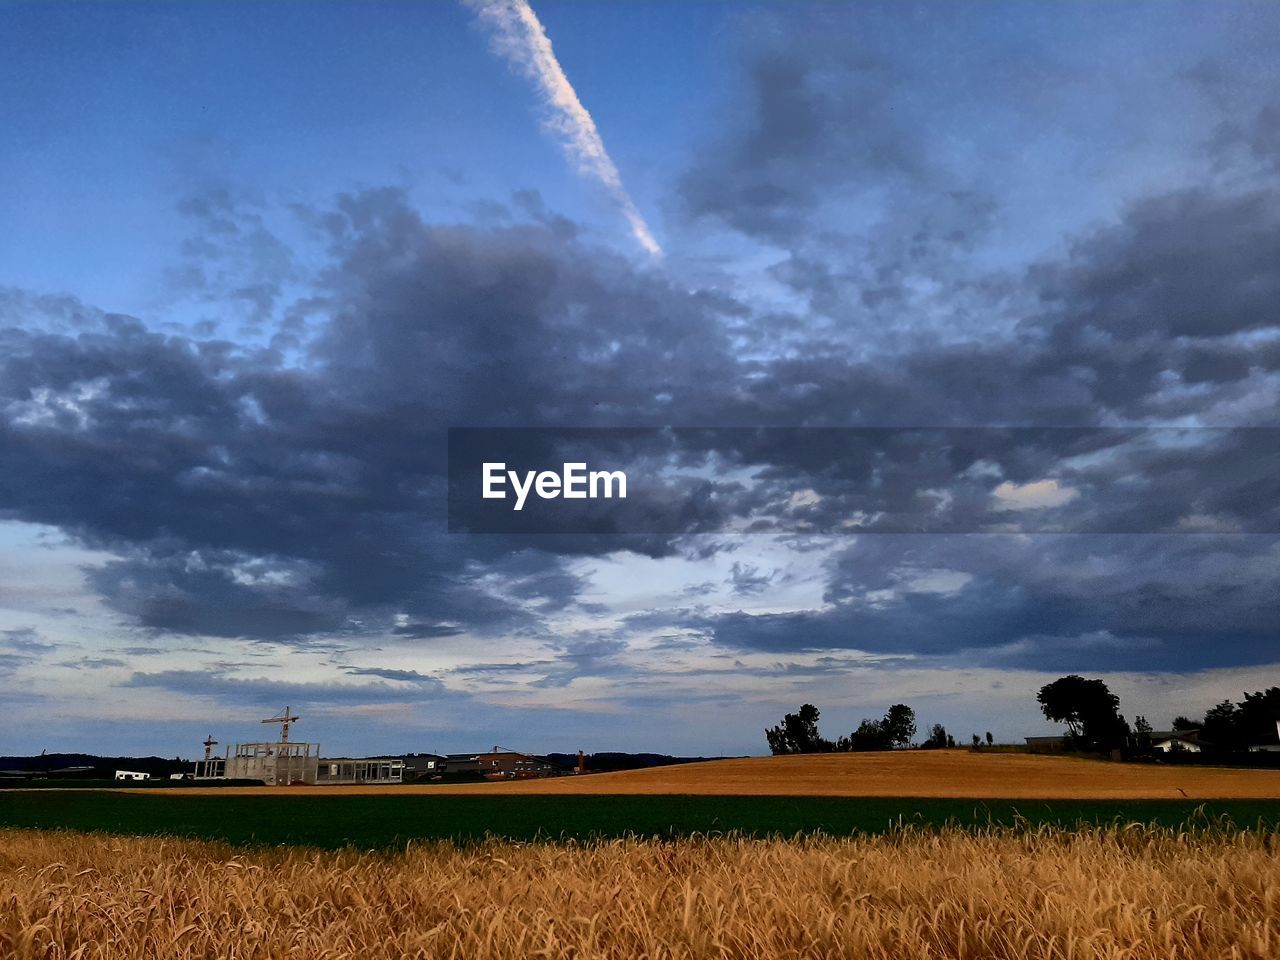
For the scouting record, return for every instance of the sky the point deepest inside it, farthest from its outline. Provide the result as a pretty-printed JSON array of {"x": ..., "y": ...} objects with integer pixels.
[{"x": 257, "y": 258}]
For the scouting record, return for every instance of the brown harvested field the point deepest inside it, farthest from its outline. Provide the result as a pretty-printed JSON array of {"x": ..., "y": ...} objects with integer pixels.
[
  {"x": 1101, "y": 894},
  {"x": 940, "y": 773}
]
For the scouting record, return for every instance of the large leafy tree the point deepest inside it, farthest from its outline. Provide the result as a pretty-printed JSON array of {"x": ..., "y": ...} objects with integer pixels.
[
  {"x": 868, "y": 736},
  {"x": 1238, "y": 726},
  {"x": 1259, "y": 714},
  {"x": 1221, "y": 726},
  {"x": 899, "y": 725},
  {"x": 938, "y": 737},
  {"x": 1088, "y": 708},
  {"x": 895, "y": 729},
  {"x": 798, "y": 733}
]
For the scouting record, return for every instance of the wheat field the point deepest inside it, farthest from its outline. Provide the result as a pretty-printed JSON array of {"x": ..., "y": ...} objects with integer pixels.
[
  {"x": 1117, "y": 892},
  {"x": 893, "y": 773}
]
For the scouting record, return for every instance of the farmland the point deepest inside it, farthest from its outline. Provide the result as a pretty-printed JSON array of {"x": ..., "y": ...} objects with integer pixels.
[
  {"x": 781, "y": 796},
  {"x": 1132, "y": 892},
  {"x": 379, "y": 820},
  {"x": 916, "y": 773},
  {"x": 731, "y": 860}
]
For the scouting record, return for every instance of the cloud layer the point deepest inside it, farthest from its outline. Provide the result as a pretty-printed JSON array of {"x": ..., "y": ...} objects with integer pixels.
[{"x": 280, "y": 497}]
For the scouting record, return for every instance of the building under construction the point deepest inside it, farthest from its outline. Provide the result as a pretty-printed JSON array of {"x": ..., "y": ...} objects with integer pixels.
[
  {"x": 361, "y": 770},
  {"x": 284, "y": 763},
  {"x": 211, "y": 767}
]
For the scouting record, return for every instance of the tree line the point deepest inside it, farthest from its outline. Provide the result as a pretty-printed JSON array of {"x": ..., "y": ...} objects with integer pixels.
[
  {"x": 1089, "y": 709},
  {"x": 1094, "y": 722},
  {"x": 798, "y": 733}
]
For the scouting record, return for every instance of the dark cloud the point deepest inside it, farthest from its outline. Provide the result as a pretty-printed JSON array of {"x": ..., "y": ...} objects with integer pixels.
[
  {"x": 1145, "y": 278},
  {"x": 584, "y": 654},
  {"x": 813, "y": 115},
  {"x": 488, "y": 668},
  {"x": 25, "y": 641},
  {"x": 235, "y": 690},
  {"x": 1073, "y": 602},
  {"x": 22, "y": 647},
  {"x": 746, "y": 578},
  {"x": 249, "y": 498},
  {"x": 95, "y": 663},
  {"x": 386, "y": 673}
]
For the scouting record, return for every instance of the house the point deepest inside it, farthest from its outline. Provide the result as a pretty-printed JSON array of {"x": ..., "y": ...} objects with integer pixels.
[
  {"x": 462, "y": 763},
  {"x": 500, "y": 764},
  {"x": 132, "y": 775},
  {"x": 419, "y": 766},
  {"x": 1268, "y": 747},
  {"x": 1177, "y": 743}
]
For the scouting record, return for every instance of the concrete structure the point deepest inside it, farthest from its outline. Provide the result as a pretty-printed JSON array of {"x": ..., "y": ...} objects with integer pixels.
[
  {"x": 281, "y": 764},
  {"x": 277, "y": 764},
  {"x": 361, "y": 770},
  {"x": 132, "y": 775},
  {"x": 211, "y": 768}
]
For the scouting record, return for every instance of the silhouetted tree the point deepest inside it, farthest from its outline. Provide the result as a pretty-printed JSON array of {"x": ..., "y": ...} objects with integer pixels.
[
  {"x": 1235, "y": 727},
  {"x": 1090, "y": 711},
  {"x": 977, "y": 740},
  {"x": 899, "y": 725},
  {"x": 895, "y": 729},
  {"x": 990, "y": 739},
  {"x": 937, "y": 738},
  {"x": 1141, "y": 735},
  {"x": 1221, "y": 726},
  {"x": 870, "y": 735},
  {"x": 798, "y": 733},
  {"x": 1259, "y": 713}
]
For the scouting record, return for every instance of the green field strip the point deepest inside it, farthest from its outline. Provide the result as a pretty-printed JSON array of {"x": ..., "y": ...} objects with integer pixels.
[{"x": 385, "y": 821}]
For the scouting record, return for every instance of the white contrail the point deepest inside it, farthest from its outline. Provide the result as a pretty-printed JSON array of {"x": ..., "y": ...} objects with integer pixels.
[{"x": 519, "y": 37}]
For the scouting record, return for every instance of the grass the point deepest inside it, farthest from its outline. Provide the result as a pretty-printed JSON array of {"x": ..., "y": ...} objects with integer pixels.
[
  {"x": 1111, "y": 893},
  {"x": 388, "y": 820}
]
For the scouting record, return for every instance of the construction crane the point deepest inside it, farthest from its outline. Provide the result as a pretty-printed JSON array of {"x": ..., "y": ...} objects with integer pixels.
[
  {"x": 209, "y": 744},
  {"x": 284, "y": 720}
]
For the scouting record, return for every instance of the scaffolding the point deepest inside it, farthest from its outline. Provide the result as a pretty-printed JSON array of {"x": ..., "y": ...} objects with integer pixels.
[
  {"x": 277, "y": 764},
  {"x": 282, "y": 763},
  {"x": 211, "y": 767}
]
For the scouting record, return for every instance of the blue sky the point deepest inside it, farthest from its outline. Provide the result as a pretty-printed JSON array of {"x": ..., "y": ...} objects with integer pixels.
[
  {"x": 256, "y": 257},
  {"x": 118, "y": 109}
]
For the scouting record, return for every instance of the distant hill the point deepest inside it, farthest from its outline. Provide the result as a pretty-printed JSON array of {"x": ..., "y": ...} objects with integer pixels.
[
  {"x": 612, "y": 762},
  {"x": 87, "y": 766}
]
